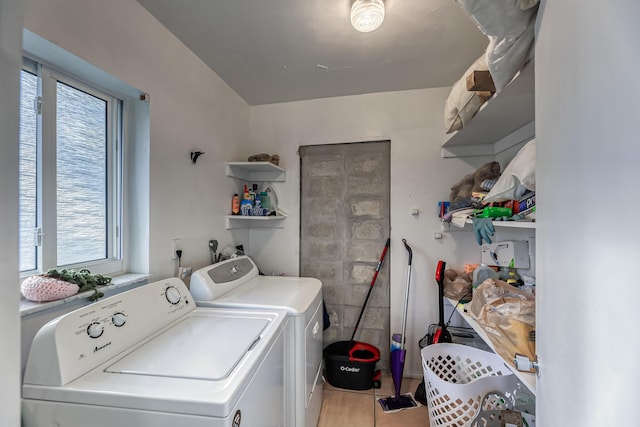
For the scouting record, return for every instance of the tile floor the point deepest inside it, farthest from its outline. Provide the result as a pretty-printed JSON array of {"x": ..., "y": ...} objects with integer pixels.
[{"x": 352, "y": 408}]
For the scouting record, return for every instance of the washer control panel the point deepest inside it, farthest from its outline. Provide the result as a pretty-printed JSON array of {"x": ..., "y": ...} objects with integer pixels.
[
  {"x": 213, "y": 281},
  {"x": 85, "y": 338}
]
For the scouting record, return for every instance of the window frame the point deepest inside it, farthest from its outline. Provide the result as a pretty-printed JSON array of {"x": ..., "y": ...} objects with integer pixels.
[{"x": 46, "y": 199}]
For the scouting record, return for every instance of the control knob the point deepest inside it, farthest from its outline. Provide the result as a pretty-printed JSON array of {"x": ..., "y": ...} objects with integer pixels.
[
  {"x": 172, "y": 295},
  {"x": 118, "y": 319},
  {"x": 95, "y": 329}
]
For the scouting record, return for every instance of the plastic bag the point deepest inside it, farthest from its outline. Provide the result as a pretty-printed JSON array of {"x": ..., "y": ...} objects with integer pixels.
[
  {"x": 507, "y": 315},
  {"x": 457, "y": 286}
]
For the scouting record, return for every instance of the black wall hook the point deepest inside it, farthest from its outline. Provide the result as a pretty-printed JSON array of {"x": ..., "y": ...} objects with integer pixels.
[{"x": 195, "y": 155}]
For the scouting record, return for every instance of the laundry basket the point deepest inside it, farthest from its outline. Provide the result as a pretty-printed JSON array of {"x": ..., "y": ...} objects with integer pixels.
[{"x": 457, "y": 378}]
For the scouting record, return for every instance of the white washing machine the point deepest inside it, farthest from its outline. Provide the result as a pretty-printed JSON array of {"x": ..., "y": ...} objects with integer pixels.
[
  {"x": 236, "y": 283},
  {"x": 150, "y": 357}
]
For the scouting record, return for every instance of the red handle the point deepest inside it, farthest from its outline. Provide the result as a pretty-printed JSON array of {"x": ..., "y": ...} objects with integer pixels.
[
  {"x": 379, "y": 266},
  {"x": 436, "y": 336},
  {"x": 365, "y": 347},
  {"x": 440, "y": 272}
]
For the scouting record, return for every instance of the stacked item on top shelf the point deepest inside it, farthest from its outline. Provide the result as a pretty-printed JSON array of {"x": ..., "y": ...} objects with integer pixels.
[{"x": 509, "y": 25}]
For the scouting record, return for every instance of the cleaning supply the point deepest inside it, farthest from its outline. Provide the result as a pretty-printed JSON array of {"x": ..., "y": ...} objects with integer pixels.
[
  {"x": 273, "y": 200},
  {"x": 510, "y": 275},
  {"x": 258, "y": 210},
  {"x": 442, "y": 333},
  {"x": 480, "y": 274},
  {"x": 351, "y": 364},
  {"x": 264, "y": 197},
  {"x": 513, "y": 278},
  {"x": 494, "y": 212},
  {"x": 235, "y": 204},
  {"x": 246, "y": 204},
  {"x": 397, "y": 355},
  {"x": 396, "y": 342}
]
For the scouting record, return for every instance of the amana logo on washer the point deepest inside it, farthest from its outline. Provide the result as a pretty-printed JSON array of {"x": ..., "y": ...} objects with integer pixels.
[{"x": 348, "y": 369}]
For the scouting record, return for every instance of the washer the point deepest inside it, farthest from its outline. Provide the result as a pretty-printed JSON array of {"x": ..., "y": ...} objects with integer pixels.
[
  {"x": 150, "y": 357},
  {"x": 236, "y": 283}
]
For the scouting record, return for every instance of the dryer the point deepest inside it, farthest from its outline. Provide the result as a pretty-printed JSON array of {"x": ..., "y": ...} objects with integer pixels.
[
  {"x": 150, "y": 357},
  {"x": 236, "y": 283}
]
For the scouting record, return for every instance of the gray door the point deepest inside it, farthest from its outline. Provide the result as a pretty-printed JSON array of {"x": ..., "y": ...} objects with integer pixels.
[{"x": 344, "y": 224}]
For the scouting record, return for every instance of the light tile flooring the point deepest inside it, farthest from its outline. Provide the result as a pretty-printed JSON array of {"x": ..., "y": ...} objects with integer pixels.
[{"x": 352, "y": 408}]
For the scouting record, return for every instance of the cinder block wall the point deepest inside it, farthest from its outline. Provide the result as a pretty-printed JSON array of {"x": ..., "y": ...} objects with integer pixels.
[{"x": 344, "y": 224}]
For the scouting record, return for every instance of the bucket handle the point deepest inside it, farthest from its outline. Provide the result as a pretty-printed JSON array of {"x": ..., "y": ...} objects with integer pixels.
[{"x": 366, "y": 347}]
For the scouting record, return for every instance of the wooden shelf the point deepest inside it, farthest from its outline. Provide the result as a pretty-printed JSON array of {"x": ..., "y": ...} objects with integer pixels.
[
  {"x": 505, "y": 120},
  {"x": 255, "y": 171},
  {"x": 527, "y": 379}
]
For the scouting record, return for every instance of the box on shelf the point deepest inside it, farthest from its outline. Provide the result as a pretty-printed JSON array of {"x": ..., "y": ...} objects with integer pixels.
[
  {"x": 443, "y": 208},
  {"x": 480, "y": 81},
  {"x": 502, "y": 254},
  {"x": 526, "y": 203}
]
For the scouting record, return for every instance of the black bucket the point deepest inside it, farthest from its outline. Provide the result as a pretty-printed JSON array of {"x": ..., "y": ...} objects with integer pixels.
[{"x": 351, "y": 368}]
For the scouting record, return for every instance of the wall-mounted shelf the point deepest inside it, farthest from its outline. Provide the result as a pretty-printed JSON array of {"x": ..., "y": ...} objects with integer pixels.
[
  {"x": 241, "y": 221},
  {"x": 255, "y": 171},
  {"x": 528, "y": 379},
  {"x": 505, "y": 120},
  {"x": 497, "y": 224},
  {"x": 509, "y": 224}
]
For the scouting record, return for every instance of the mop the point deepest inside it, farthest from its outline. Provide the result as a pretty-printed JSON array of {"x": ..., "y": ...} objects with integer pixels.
[{"x": 398, "y": 352}]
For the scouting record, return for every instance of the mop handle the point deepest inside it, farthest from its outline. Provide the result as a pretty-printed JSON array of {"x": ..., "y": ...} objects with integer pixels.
[
  {"x": 406, "y": 294},
  {"x": 373, "y": 281},
  {"x": 379, "y": 266},
  {"x": 404, "y": 241}
]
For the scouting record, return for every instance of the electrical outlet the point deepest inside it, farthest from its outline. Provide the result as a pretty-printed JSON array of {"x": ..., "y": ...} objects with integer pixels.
[{"x": 176, "y": 245}]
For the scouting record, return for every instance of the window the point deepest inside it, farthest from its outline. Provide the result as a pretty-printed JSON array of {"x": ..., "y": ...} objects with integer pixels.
[{"x": 70, "y": 174}]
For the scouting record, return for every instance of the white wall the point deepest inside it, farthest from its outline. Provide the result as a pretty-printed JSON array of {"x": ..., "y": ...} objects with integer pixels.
[
  {"x": 413, "y": 121},
  {"x": 191, "y": 108},
  {"x": 10, "y": 54},
  {"x": 588, "y": 241}
]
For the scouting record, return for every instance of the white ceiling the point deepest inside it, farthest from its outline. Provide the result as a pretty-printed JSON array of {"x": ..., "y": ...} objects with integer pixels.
[{"x": 272, "y": 51}]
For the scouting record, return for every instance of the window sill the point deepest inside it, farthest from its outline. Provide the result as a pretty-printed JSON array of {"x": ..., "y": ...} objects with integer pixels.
[{"x": 122, "y": 281}]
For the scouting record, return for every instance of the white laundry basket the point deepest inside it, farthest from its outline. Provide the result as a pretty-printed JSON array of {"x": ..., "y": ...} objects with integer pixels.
[{"x": 457, "y": 377}]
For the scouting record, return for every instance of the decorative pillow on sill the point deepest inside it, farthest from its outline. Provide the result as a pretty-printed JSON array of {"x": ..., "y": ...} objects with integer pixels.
[{"x": 43, "y": 288}]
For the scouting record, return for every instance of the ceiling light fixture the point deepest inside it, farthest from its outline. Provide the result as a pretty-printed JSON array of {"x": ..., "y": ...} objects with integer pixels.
[{"x": 367, "y": 15}]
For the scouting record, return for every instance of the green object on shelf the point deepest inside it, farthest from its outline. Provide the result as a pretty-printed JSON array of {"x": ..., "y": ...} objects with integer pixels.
[{"x": 494, "y": 212}]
